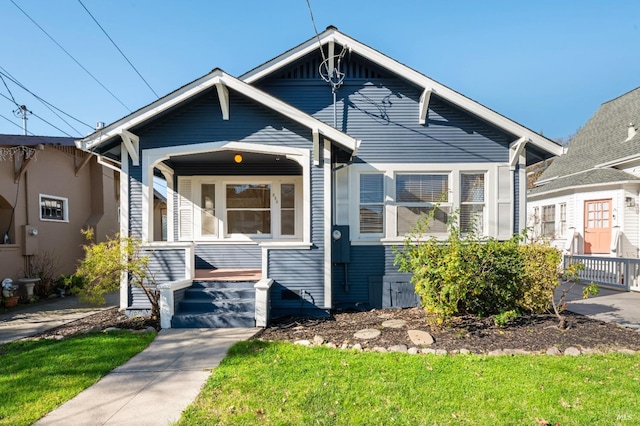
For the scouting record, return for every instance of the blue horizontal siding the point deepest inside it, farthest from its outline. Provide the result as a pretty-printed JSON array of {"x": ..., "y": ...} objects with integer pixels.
[
  {"x": 297, "y": 270},
  {"x": 241, "y": 256}
]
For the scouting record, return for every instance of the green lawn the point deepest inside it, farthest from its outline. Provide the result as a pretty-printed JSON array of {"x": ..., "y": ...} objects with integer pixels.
[
  {"x": 280, "y": 383},
  {"x": 38, "y": 376}
]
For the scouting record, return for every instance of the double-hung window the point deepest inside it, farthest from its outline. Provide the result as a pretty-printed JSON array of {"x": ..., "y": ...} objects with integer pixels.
[
  {"x": 372, "y": 203},
  {"x": 418, "y": 195},
  {"x": 549, "y": 221},
  {"x": 472, "y": 202},
  {"x": 562, "y": 229},
  {"x": 248, "y": 209}
]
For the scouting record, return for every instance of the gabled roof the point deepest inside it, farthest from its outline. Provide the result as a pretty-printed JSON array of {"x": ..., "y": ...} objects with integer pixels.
[
  {"x": 586, "y": 178},
  {"x": 602, "y": 142},
  {"x": 222, "y": 82},
  {"x": 332, "y": 36}
]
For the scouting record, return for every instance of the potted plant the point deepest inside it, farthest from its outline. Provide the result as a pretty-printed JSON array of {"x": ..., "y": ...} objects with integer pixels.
[{"x": 8, "y": 293}]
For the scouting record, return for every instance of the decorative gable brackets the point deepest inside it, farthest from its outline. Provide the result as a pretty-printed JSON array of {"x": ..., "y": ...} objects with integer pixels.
[
  {"x": 132, "y": 144},
  {"x": 517, "y": 148},
  {"x": 424, "y": 105},
  {"x": 223, "y": 96}
]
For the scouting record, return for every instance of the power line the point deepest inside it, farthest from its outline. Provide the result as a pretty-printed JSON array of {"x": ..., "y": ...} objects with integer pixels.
[
  {"x": 52, "y": 125},
  {"x": 9, "y": 120},
  {"x": 8, "y": 90},
  {"x": 70, "y": 55},
  {"x": 50, "y": 106},
  {"x": 116, "y": 46}
]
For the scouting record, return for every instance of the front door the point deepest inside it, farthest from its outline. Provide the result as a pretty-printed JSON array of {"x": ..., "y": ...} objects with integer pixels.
[{"x": 597, "y": 226}]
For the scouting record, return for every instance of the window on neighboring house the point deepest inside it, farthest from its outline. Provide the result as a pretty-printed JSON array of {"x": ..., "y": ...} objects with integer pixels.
[
  {"x": 472, "y": 202},
  {"x": 418, "y": 195},
  {"x": 54, "y": 208},
  {"x": 208, "y": 209},
  {"x": 372, "y": 203},
  {"x": 549, "y": 221},
  {"x": 248, "y": 209},
  {"x": 562, "y": 231}
]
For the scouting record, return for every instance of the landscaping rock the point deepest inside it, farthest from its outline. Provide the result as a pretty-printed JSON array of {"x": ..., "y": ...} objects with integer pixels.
[
  {"x": 413, "y": 350},
  {"x": 302, "y": 342},
  {"x": 627, "y": 351},
  {"x": 318, "y": 340},
  {"x": 428, "y": 351},
  {"x": 379, "y": 349},
  {"x": 357, "y": 347},
  {"x": 394, "y": 323},
  {"x": 465, "y": 351},
  {"x": 553, "y": 351},
  {"x": 94, "y": 329},
  {"x": 420, "y": 338},
  {"x": 572, "y": 351},
  {"x": 344, "y": 346},
  {"x": 397, "y": 348},
  {"x": 331, "y": 345},
  {"x": 111, "y": 329},
  {"x": 496, "y": 352},
  {"x": 366, "y": 334},
  {"x": 441, "y": 352}
]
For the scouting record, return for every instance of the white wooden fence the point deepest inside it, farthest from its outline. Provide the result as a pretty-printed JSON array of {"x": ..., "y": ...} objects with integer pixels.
[{"x": 616, "y": 272}]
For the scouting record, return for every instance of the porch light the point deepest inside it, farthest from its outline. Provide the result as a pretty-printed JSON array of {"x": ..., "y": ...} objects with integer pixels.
[{"x": 237, "y": 158}]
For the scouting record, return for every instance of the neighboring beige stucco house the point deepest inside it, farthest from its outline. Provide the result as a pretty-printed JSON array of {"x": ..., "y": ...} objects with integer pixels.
[{"x": 49, "y": 191}]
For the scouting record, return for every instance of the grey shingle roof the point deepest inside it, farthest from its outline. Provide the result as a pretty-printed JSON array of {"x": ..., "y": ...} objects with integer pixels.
[
  {"x": 588, "y": 177},
  {"x": 601, "y": 140}
]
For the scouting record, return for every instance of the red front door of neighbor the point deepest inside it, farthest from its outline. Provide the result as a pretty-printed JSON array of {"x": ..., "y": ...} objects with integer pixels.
[{"x": 597, "y": 226}]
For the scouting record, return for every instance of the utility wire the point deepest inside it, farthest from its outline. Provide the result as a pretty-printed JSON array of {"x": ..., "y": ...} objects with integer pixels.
[
  {"x": 8, "y": 90},
  {"x": 313, "y": 21},
  {"x": 44, "y": 102},
  {"x": 52, "y": 125},
  {"x": 116, "y": 46},
  {"x": 10, "y": 121},
  {"x": 70, "y": 55}
]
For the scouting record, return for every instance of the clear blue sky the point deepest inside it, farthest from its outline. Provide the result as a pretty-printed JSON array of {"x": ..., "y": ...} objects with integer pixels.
[{"x": 545, "y": 64}]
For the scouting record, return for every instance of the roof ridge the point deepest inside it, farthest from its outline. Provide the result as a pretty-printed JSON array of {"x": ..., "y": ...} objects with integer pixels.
[{"x": 621, "y": 96}]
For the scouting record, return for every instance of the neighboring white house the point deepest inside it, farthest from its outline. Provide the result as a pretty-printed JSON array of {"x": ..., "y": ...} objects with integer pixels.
[{"x": 586, "y": 201}]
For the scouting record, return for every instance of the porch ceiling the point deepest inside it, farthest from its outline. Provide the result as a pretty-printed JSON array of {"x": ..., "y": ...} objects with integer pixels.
[{"x": 227, "y": 157}]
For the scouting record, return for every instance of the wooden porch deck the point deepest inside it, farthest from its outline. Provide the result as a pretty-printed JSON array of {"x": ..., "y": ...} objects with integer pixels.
[{"x": 228, "y": 274}]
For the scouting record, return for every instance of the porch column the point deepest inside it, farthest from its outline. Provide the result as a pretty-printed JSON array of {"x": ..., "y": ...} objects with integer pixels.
[{"x": 328, "y": 197}]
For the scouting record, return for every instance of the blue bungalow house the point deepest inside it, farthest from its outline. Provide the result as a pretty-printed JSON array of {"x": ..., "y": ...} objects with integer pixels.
[{"x": 287, "y": 187}]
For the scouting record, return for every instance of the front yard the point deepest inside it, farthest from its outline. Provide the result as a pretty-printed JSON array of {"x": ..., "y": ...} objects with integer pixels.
[{"x": 281, "y": 383}]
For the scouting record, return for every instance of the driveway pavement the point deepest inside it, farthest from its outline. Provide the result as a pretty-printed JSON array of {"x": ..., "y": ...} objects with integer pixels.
[{"x": 609, "y": 305}]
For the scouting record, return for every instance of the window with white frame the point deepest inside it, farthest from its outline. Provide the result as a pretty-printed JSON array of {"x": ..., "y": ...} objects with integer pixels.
[
  {"x": 54, "y": 208},
  {"x": 549, "y": 221},
  {"x": 472, "y": 202},
  {"x": 562, "y": 228},
  {"x": 418, "y": 195},
  {"x": 232, "y": 208},
  {"x": 372, "y": 203}
]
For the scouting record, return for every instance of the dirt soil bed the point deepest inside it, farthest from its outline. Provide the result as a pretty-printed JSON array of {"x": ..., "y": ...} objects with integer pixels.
[{"x": 534, "y": 333}]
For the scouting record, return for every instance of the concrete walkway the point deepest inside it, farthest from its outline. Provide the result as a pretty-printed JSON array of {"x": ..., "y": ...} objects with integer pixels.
[
  {"x": 29, "y": 320},
  {"x": 155, "y": 386},
  {"x": 614, "y": 306}
]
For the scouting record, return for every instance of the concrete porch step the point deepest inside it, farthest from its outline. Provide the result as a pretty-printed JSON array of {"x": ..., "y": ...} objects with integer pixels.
[
  {"x": 212, "y": 320},
  {"x": 217, "y": 306}
]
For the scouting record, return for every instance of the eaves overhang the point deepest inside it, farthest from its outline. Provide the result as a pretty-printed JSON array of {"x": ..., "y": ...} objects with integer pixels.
[
  {"x": 221, "y": 80},
  {"x": 332, "y": 35}
]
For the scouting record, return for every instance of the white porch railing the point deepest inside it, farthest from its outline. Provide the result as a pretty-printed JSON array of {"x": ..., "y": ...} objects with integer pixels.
[{"x": 614, "y": 272}]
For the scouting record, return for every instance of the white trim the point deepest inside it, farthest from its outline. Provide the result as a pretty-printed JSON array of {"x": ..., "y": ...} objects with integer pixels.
[
  {"x": 132, "y": 144},
  {"x": 333, "y": 35},
  {"x": 515, "y": 151},
  {"x": 579, "y": 188},
  {"x": 223, "y": 96},
  {"x": 390, "y": 170},
  {"x": 153, "y": 157},
  {"x": 168, "y": 177},
  {"x": 522, "y": 199},
  {"x": 167, "y": 303},
  {"x": 65, "y": 208},
  {"x": 618, "y": 162},
  {"x": 327, "y": 202},
  {"x": 124, "y": 224},
  {"x": 424, "y": 105},
  {"x": 219, "y": 78}
]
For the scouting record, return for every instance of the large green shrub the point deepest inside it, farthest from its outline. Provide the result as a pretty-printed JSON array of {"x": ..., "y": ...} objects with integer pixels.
[{"x": 467, "y": 275}]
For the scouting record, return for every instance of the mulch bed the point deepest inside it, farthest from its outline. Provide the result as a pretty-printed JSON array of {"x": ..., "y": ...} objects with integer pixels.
[{"x": 534, "y": 333}]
